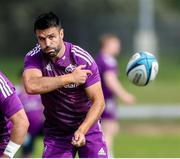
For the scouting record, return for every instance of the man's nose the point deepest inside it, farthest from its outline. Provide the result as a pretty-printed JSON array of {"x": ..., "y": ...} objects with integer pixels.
[{"x": 48, "y": 42}]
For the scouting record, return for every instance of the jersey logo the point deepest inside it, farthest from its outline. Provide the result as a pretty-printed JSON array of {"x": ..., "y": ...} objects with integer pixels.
[
  {"x": 72, "y": 85},
  {"x": 48, "y": 67},
  {"x": 102, "y": 152},
  {"x": 70, "y": 68}
]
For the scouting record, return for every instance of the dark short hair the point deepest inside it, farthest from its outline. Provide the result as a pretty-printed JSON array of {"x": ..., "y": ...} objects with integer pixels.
[{"x": 46, "y": 20}]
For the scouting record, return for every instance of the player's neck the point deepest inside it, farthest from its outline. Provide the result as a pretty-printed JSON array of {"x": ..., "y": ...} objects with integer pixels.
[
  {"x": 60, "y": 53},
  {"x": 105, "y": 52}
]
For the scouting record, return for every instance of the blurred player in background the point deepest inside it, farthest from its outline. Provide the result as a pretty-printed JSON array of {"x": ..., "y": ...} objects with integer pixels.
[
  {"x": 68, "y": 80},
  {"x": 11, "y": 109},
  {"x": 110, "y": 47},
  {"x": 34, "y": 111}
]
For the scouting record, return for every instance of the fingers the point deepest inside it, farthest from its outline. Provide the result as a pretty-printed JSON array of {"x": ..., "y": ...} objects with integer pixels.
[
  {"x": 79, "y": 143},
  {"x": 76, "y": 137},
  {"x": 73, "y": 142},
  {"x": 81, "y": 66},
  {"x": 78, "y": 140},
  {"x": 130, "y": 101},
  {"x": 88, "y": 72},
  {"x": 80, "y": 75}
]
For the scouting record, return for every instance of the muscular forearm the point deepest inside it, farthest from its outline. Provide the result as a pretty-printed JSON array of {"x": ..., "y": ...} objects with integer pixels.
[
  {"x": 16, "y": 139},
  {"x": 18, "y": 132},
  {"x": 120, "y": 92},
  {"x": 92, "y": 116},
  {"x": 117, "y": 89},
  {"x": 115, "y": 86},
  {"x": 40, "y": 85}
]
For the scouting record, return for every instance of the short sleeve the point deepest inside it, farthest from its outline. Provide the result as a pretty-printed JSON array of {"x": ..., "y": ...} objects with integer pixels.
[
  {"x": 9, "y": 102},
  {"x": 11, "y": 105},
  {"x": 82, "y": 57},
  {"x": 6, "y": 87},
  {"x": 33, "y": 58},
  {"x": 110, "y": 64},
  {"x": 94, "y": 77}
]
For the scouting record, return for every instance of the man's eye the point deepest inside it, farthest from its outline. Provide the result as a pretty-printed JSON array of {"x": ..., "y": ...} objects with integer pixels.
[
  {"x": 51, "y": 37},
  {"x": 41, "y": 39}
]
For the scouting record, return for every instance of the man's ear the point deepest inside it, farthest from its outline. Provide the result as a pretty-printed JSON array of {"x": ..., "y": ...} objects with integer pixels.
[{"x": 61, "y": 32}]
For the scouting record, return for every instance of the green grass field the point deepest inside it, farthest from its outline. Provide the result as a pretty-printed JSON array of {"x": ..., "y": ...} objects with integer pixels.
[{"x": 134, "y": 145}]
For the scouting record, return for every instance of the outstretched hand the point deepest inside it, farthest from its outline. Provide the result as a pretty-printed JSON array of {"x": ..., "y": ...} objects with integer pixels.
[{"x": 129, "y": 99}]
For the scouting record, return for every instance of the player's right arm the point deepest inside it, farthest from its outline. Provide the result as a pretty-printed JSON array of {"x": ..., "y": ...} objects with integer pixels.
[{"x": 35, "y": 83}]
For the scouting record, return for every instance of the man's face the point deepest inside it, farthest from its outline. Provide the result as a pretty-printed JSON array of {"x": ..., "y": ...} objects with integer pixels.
[
  {"x": 50, "y": 40},
  {"x": 114, "y": 46}
]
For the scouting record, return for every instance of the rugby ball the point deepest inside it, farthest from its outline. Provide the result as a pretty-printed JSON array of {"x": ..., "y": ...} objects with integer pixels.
[{"x": 142, "y": 68}]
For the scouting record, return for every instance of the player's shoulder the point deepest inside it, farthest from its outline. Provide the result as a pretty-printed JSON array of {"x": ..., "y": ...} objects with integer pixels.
[
  {"x": 81, "y": 55},
  {"x": 35, "y": 51},
  {"x": 3, "y": 78},
  {"x": 19, "y": 89},
  {"x": 109, "y": 61},
  {"x": 7, "y": 87}
]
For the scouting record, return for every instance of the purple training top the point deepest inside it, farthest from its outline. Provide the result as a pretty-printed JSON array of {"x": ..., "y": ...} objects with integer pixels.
[
  {"x": 66, "y": 107},
  {"x": 9, "y": 105},
  {"x": 106, "y": 63},
  {"x": 30, "y": 102},
  {"x": 33, "y": 108}
]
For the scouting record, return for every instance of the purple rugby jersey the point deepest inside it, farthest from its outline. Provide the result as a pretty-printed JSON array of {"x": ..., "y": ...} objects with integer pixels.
[
  {"x": 107, "y": 63},
  {"x": 33, "y": 108},
  {"x": 9, "y": 105},
  {"x": 66, "y": 107}
]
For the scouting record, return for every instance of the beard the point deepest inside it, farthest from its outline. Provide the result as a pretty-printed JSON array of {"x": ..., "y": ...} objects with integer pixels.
[{"x": 51, "y": 51}]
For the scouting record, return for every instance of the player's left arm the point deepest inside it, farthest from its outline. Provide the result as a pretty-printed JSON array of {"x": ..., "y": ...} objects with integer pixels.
[
  {"x": 114, "y": 84},
  {"x": 96, "y": 95},
  {"x": 94, "y": 92},
  {"x": 19, "y": 130}
]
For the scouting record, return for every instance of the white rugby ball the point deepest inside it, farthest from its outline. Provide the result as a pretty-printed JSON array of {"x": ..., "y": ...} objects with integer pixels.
[{"x": 142, "y": 68}]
